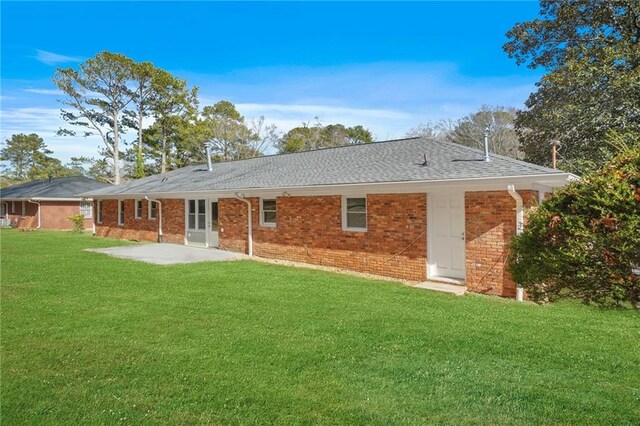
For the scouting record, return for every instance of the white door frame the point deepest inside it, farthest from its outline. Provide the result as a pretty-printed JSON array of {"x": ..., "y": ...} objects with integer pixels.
[
  {"x": 210, "y": 242},
  {"x": 431, "y": 266}
]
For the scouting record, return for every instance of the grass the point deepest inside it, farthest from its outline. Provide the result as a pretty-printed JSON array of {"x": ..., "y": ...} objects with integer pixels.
[{"x": 87, "y": 338}]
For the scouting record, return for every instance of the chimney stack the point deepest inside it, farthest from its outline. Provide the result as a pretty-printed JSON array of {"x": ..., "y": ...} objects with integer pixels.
[
  {"x": 207, "y": 145},
  {"x": 486, "y": 144}
]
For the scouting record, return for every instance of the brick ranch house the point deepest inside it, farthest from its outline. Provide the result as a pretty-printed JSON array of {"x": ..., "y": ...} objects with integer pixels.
[
  {"x": 47, "y": 203},
  {"x": 414, "y": 209}
]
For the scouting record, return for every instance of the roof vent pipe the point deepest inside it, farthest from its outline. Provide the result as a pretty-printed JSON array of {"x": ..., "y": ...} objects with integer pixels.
[
  {"x": 207, "y": 145},
  {"x": 486, "y": 144}
]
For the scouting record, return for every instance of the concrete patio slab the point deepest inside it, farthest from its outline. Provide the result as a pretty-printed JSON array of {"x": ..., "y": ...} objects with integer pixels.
[{"x": 169, "y": 254}]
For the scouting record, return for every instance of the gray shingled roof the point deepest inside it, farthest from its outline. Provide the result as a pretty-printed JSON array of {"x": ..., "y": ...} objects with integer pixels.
[
  {"x": 390, "y": 161},
  {"x": 67, "y": 187}
]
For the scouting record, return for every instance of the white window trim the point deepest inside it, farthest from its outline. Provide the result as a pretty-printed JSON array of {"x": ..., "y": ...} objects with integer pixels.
[
  {"x": 344, "y": 214},
  {"x": 99, "y": 212},
  {"x": 120, "y": 208},
  {"x": 262, "y": 222},
  {"x": 24, "y": 209},
  {"x": 90, "y": 215},
  {"x": 135, "y": 213},
  {"x": 149, "y": 210}
]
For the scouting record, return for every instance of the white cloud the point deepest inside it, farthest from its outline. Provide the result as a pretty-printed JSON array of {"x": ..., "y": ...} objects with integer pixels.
[
  {"x": 389, "y": 99},
  {"x": 44, "y": 91},
  {"x": 51, "y": 58},
  {"x": 384, "y": 123},
  {"x": 45, "y": 122}
]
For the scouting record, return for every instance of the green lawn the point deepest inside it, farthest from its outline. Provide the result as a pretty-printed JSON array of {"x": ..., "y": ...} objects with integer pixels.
[{"x": 87, "y": 338}]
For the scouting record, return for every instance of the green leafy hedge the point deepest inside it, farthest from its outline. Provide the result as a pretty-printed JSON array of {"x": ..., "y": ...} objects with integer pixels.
[{"x": 584, "y": 242}]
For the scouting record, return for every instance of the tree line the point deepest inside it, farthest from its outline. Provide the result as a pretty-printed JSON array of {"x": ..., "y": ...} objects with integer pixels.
[
  {"x": 111, "y": 95},
  {"x": 588, "y": 103}
]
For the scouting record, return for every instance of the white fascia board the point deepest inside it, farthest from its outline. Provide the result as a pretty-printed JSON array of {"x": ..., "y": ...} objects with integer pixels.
[
  {"x": 45, "y": 199},
  {"x": 445, "y": 185}
]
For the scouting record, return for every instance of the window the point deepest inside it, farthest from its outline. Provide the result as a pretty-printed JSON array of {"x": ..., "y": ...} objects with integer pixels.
[
  {"x": 99, "y": 208},
  {"x": 3, "y": 209},
  {"x": 354, "y": 214},
  {"x": 121, "y": 212},
  {"x": 153, "y": 209},
  {"x": 24, "y": 209},
  {"x": 86, "y": 209},
  {"x": 267, "y": 212},
  {"x": 196, "y": 214},
  {"x": 138, "y": 209},
  {"x": 13, "y": 207},
  {"x": 201, "y": 214}
]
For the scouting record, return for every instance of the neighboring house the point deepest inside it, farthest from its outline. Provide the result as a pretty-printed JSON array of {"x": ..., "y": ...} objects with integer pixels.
[
  {"x": 47, "y": 203},
  {"x": 413, "y": 209}
]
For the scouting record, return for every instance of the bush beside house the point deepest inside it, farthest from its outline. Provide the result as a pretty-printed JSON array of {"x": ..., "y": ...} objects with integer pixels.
[{"x": 584, "y": 242}]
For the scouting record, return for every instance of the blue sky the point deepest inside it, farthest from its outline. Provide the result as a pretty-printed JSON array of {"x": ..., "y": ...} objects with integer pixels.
[{"x": 388, "y": 66}]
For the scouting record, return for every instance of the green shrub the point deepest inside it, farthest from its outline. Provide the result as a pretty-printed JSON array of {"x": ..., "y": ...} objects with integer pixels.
[
  {"x": 584, "y": 242},
  {"x": 78, "y": 222}
]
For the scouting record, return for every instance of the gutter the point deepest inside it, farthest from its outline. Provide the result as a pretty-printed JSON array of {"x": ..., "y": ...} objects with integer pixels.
[
  {"x": 159, "y": 216},
  {"x": 519, "y": 226},
  {"x": 551, "y": 179},
  {"x": 241, "y": 197},
  {"x": 38, "y": 203}
]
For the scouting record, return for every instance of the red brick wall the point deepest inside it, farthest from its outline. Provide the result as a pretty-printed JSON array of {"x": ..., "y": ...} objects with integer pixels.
[
  {"x": 143, "y": 229},
  {"x": 53, "y": 215},
  {"x": 490, "y": 222},
  {"x": 30, "y": 220},
  {"x": 309, "y": 229}
]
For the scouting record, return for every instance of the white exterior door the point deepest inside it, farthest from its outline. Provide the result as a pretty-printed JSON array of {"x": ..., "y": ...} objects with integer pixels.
[
  {"x": 213, "y": 223},
  {"x": 196, "y": 222},
  {"x": 446, "y": 237}
]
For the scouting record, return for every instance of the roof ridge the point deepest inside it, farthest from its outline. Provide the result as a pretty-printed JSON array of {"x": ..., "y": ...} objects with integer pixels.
[
  {"x": 318, "y": 149},
  {"x": 503, "y": 157}
]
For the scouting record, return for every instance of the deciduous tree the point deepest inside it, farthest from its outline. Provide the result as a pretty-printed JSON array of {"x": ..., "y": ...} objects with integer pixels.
[
  {"x": 591, "y": 93},
  {"x": 308, "y": 137},
  {"x": 469, "y": 131}
]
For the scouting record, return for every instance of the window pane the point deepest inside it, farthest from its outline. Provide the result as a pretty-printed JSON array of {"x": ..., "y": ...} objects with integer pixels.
[
  {"x": 192, "y": 221},
  {"x": 356, "y": 220},
  {"x": 153, "y": 209},
  {"x": 192, "y": 206},
  {"x": 269, "y": 217},
  {"x": 269, "y": 205},
  {"x": 214, "y": 216},
  {"x": 201, "y": 206},
  {"x": 201, "y": 221},
  {"x": 356, "y": 205}
]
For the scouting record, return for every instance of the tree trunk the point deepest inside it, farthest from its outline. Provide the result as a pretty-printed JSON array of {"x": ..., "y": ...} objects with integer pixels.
[
  {"x": 139, "y": 166},
  {"x": 116, "y": 151},
  {"x": 163, "y": 164}
]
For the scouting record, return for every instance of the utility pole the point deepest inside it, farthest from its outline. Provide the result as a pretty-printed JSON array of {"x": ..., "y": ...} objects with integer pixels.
[{"x": 554, "y": 154}]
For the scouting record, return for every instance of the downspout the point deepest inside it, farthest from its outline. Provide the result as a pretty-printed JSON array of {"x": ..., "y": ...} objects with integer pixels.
[
  {"x": 519, "y": 227},
  {"x": 249, "y": 227},
  {"x": 38, "y": 203},
  {"x": 159, "y": 216}
]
